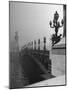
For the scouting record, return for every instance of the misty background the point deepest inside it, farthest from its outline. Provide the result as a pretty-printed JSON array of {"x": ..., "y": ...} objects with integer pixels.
[{"x": 31, "y": 20}]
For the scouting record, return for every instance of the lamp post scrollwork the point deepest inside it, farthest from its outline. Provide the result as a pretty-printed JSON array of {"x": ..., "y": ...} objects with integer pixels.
[{"x": 56, "y": 24}]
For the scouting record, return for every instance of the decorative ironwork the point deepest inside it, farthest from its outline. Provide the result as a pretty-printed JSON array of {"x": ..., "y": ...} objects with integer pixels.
[{"x": 56, "y": 24}]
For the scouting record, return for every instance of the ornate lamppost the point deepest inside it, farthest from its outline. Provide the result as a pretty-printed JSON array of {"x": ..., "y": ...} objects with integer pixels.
[
  {"x": 44, "y": 43},
  {"x": 56, "y": 24},
  {"x": 38, "y": 44}
]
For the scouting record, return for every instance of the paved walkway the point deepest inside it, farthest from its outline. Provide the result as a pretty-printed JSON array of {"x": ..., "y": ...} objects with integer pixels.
[{"x": 51, "y": 82}]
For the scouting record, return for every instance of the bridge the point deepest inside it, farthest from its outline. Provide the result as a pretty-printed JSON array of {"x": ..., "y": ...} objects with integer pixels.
[
  {"x": 36, "y": 64},
  {"x": 29, "y": 65}
]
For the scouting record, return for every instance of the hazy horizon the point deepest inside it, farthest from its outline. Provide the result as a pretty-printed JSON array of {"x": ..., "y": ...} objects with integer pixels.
[{"x": 32, "y": 21}]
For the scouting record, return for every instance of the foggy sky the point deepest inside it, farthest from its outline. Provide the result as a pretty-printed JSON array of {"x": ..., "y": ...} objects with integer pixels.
[{"x": 32, "y": 21}]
